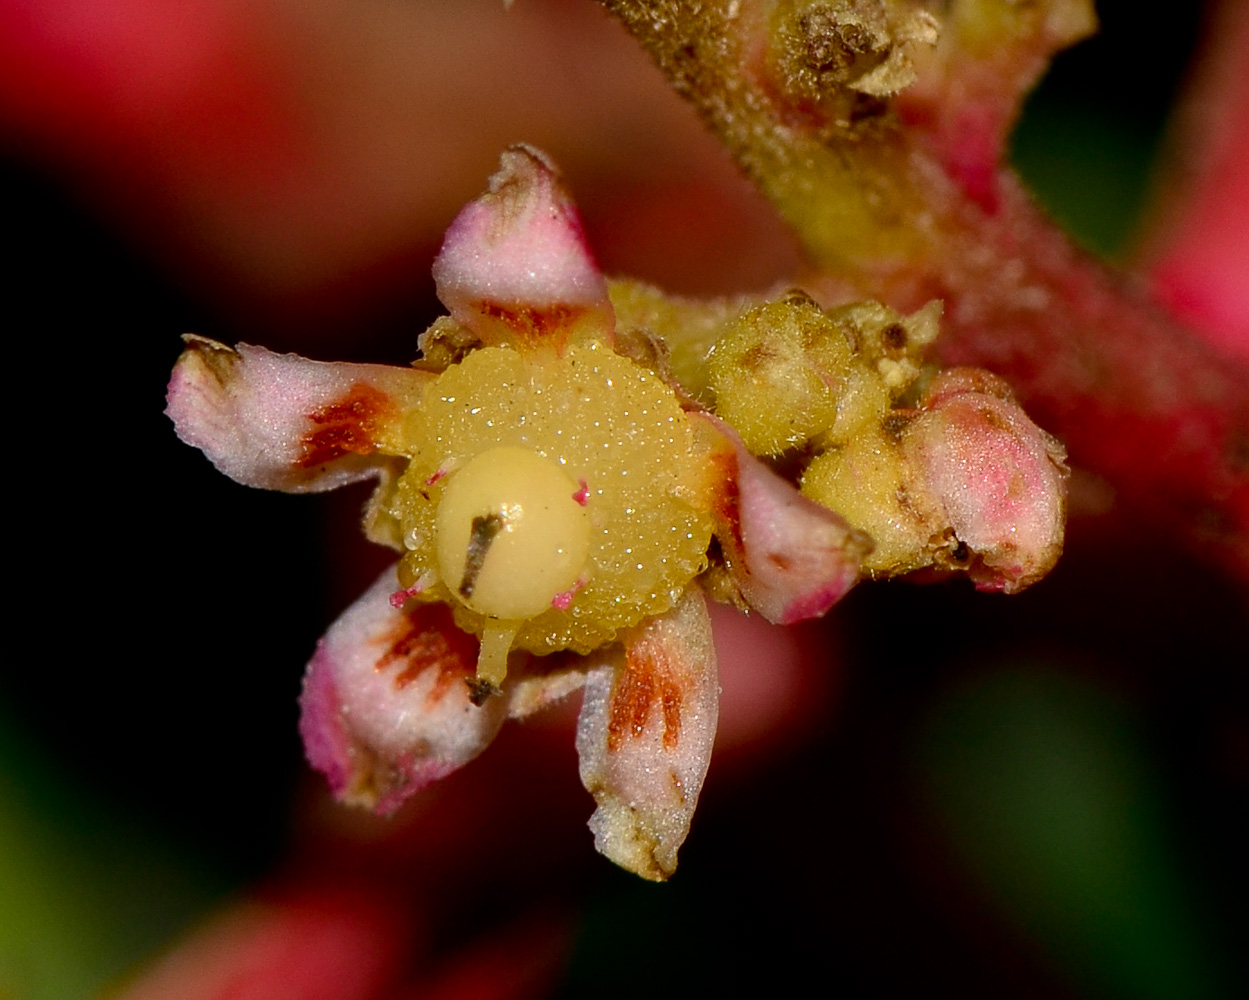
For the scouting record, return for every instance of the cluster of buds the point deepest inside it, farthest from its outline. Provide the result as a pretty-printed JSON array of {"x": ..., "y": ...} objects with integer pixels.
[{"x": 574, "y": 465}]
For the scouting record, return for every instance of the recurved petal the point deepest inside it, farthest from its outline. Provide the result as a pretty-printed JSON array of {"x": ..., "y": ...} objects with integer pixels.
[
  {"x": 282, "y": 422},
  {"x": 644, "y": 737},
  {"x": 790, "y": 558},
  {"x": 386, "y": 709},
  {"x": 515, "y": 266},
  {"x": 998, "y": 478}
]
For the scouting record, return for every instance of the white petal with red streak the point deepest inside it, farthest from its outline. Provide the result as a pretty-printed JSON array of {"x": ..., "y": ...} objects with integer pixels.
[
  {"x": 378, "y": 721},
  {"x": 257, "y": 415},
  {"x": 791, "y": 558},
  {"x": 520, "y": 249},
  {"x": 647, "y": 725}
]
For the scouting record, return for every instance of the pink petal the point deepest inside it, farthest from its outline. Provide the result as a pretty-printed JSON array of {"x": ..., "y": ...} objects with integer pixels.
[
  {"x": 791, "y": 558},
  {"x": 998, "y": 477},
  {"x": 1202, "y": 255},
  {"x": 645, "y": 735},
  {"x": 514, "y": 265},
  {"x": 282, "y": 422},
  {"x": 385, "y": 708}
]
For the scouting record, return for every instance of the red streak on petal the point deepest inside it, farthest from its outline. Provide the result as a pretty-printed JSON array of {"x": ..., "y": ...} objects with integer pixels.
[
  {"x": 647, "y": 676},
  {"x": 533, "y": 325},
  {"x": 427, "y": 639},
  {"x": 348, "y": 426},
  {"x": 726, "y": 498}
]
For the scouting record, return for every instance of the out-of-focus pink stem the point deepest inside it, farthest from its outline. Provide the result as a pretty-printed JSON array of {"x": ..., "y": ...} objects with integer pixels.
[
  {"x": 315, "y": 943},
  {"x": 1199, "y": 255}
]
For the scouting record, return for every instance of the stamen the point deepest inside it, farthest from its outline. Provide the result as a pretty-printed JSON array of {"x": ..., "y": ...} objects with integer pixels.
[
  {"x": 562, "y": 600},
  {"x": 401, "y": 597}
]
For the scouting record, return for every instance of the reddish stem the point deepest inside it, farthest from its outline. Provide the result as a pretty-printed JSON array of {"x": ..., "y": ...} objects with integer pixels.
[
  {"x": 1199, "y": 255},
  {"x": 910, "y": 203}
]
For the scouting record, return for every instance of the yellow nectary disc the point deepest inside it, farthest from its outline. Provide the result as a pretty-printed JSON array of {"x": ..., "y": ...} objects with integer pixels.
[
  {"x": 511, "y": 534},
  {"x": 588, "y": 422}
]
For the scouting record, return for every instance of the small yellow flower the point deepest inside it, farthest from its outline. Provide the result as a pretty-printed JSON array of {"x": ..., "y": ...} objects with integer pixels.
[{"x": 566, "y": 469}]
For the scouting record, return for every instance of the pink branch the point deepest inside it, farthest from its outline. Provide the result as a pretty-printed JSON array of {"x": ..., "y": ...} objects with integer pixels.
[{"x": 1199, "y": 264}]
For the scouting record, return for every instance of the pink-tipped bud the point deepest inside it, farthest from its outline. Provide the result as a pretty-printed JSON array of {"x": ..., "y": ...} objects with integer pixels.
[{"x": 997, "y": 476}]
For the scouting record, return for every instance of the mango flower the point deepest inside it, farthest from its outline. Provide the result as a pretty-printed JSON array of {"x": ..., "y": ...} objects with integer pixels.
[{"x": 569, "y": 470}]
